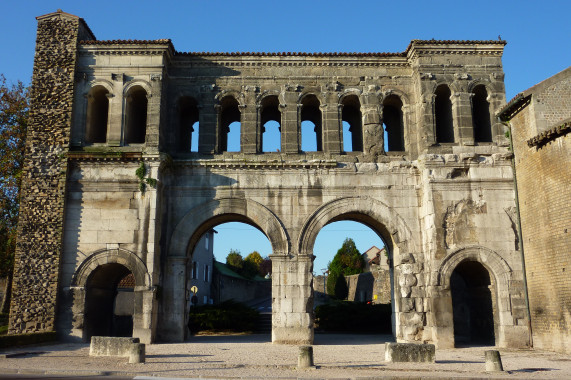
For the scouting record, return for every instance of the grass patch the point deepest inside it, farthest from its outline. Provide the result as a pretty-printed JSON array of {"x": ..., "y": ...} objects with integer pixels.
[
  {"x": 346, "y": 316},
  {"x": 228, "y": 316}
]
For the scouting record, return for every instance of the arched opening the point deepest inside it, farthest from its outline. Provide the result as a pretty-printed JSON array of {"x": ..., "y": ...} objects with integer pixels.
[
  {"x": 271, "y": 119},
  {"x": 311, "y": 119},
  {"x": 368, "y": 289},
  {"x": 472, "y": 304},
  {"x": 229, "y": 138},
  {"x": 109, "y": 302},
  {"x": 136, "y": 116},
  {"x": 230, "y": 263},
  {"x": 393, "y": 124},
  {"x": 188, "y": 124},
  {"x": 443, "y": 115},
  {"x": 351, "y": 116},
  {"x": 481, "y": 115},
  {"x": 97, "y": 115}
]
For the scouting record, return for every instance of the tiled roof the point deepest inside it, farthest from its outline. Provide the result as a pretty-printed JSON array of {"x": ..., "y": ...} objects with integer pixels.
[
  {"x": 126, "y": 42},
  {"x": 505, "y": 113},
  {"x": 550, "y": 134},
  {"x": 284, "y": 54}
]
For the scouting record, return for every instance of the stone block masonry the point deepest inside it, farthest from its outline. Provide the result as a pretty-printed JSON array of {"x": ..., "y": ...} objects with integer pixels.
[{"x": 40, "y": 228}]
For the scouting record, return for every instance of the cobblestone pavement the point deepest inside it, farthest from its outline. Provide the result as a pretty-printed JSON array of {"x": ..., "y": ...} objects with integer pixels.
[{"x": 254, "y": 356}]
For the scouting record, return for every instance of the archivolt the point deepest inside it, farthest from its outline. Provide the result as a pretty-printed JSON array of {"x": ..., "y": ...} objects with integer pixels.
[
  {"x": 389, "y": 223},
  {"x": 189, "y": 230},
  {"x": 112, "y": 256},
  {"x": 498, "y": 267}
]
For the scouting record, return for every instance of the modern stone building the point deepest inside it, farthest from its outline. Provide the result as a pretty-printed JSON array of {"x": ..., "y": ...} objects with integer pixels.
[
  {"x": 111, "y": 185},
  {"x": 540, "y": 121}
]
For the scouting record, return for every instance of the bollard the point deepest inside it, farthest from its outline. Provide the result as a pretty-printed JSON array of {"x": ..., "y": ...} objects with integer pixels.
[
  {"x": 493, "y": 361},
  {"x": 305, "y": 358},
  {"x": 137, "y": 353}
]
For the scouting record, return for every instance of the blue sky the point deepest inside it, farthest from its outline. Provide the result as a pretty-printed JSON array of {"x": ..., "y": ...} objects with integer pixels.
[{"x": 537, "y": 32}]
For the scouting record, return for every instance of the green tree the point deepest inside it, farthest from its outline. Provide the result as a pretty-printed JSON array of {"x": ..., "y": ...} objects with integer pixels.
[
  {"x": 14, "y": 112},
  {"x": 347, "y": 261},
  {"x": 235, "y": 261}
]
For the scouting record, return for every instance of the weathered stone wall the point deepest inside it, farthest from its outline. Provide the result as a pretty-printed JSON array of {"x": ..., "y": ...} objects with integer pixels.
[
  {"x": 543, "y": 179},
  {"x": 435, "y": 205},
  {"x": 40, "y": 227}
]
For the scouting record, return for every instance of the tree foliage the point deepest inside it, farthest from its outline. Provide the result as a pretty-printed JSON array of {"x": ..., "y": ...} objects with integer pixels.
[
  {"x": 249, "y": 267},
  {"x": 235, "y": 261},
  {"x": 347, "y": 261},
  {"x": 14, "y": 111}
]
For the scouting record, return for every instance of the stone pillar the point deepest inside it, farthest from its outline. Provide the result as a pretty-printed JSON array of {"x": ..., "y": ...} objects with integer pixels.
[
  {"x": 173, "y": 316},
  {"x": 440, "y": 318},
  {"x": 43, "y": 191},
  {"x": 332, "y": 125},
  {"x": 248, "y": 125},
  {"x": 208, "y": 121},
  {"x": 462, "y": 116},
  {"x": 292, "y": 299},
  {"x": 143, "y": 314},
  {"x": 373, "y": 133},
  {"x": 116, "y": 119},
  {"x": 153, "y": 114},
  {"x": 291, "y": 125}
]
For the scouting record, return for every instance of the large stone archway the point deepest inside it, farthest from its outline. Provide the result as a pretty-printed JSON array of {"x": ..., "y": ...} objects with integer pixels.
[
  {"x": 108, "y": 264},
  {"x": 384, "y": 220},
  {"x": 185, "y": 236}
]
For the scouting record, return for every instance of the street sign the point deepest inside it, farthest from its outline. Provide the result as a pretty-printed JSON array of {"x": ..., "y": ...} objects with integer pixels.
[{"x": 194, "y": 289}]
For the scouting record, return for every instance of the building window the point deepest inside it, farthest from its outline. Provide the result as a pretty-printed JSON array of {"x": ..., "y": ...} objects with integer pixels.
[
  {"x": 481, "y": 115},
  {"x": 443, "y": 115},
  {"x": 271, "y": 119},
  {"x": 206, "y": 276},
  {"x": 229, "y": 124},
  {"x": 188, "y": 124},
  {"x": 194, "y": 272},
  {"x": 136, "y": 116},
  {"x": 206, "y": 238},
  {"x": 351, "y": 117},
  {"x": 311, "y": 124},
  {"x": 97, "y": 115},
  {"x": 393, "y": 124}
]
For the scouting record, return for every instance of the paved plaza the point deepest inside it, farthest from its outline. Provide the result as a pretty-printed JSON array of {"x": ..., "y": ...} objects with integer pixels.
[{"x": 254, "y": 356}]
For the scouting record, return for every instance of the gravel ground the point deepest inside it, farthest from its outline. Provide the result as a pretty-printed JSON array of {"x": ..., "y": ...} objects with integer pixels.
[{"x": 254, "y": 356}]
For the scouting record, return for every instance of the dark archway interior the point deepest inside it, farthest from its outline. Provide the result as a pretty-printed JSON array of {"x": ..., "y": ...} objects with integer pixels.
[
  {"x": 102, "y": 315},
  {"x": 136, "y": 113},
  {"x": 352, "y": 114},
  {"x": 97, "y": 114},
  {"x": 481, "y": 115},
  {"x": 393, "y": 121},
  {"x": 472, "y": 305},
  {"x": 443, "y": 115},
  {"x": 310, "y": 111},
  {"x": 188, "y": 115}
]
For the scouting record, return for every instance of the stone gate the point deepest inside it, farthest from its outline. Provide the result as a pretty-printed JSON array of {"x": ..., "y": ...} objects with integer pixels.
[{"x": 112, "y": 187}]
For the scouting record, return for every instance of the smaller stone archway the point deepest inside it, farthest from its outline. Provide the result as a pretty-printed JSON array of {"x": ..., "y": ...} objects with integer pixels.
[
  {"x": 94, "y": 285},
  {"x": 472, "y": 274}
]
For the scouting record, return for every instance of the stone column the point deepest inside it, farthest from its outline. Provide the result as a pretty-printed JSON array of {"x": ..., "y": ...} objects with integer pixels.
[
  {"x": 116, "y": 117},
  {"x": 248, "y": 129},
  {"x": 332, "y": 125},
  {"x": 373, "y": 133},
  {"x": 208, "y": 121},
  {"x": 292, "y": 299},
  {"x": 143, "y": 314},
  {"x": 290, "y": 124},
  {"x": 153, "y": 114},
  {"x": 462, "y": 116},
  {"x": 172, "y": 327}
]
